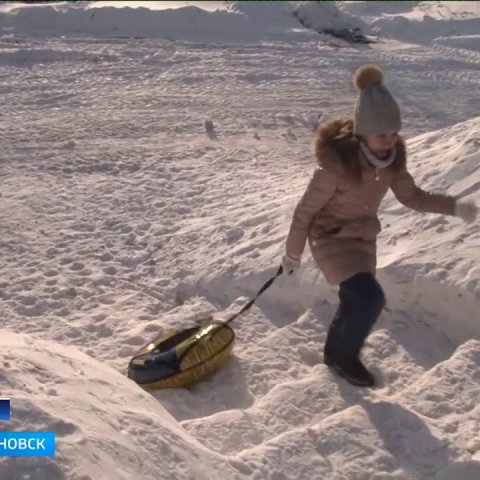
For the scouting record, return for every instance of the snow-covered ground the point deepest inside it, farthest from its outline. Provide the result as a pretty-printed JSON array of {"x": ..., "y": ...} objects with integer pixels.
[{"x": 121, "y": 215}]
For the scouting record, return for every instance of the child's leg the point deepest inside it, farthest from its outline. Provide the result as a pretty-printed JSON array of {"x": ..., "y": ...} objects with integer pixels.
[{"x": 361, "y": 302}]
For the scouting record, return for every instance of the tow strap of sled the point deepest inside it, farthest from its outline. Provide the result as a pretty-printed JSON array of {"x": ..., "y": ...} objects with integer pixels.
[{"x": 252, "y": 301}]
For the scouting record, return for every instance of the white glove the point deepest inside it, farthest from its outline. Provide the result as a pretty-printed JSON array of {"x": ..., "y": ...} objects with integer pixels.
[
  {"x": 290, "y": 264},
  {"x": 467, "y": 211}
]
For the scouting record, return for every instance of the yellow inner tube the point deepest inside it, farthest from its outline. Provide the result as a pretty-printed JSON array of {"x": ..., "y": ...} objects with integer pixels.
[{"x": 180, "y": 359}]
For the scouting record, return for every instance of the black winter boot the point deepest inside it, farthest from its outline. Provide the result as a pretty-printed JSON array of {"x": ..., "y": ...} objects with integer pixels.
[{"x": 351, "y": 369}]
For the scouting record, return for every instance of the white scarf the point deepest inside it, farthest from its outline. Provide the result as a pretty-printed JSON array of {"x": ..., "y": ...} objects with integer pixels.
[{"x": 376, "y": 162}]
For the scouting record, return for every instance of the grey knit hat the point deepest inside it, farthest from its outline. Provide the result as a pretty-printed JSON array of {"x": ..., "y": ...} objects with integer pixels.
[{"x": 376, "y": 111}]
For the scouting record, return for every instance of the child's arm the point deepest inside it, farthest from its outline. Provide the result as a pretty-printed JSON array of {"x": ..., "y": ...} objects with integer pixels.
[
  {"x": 407, "y": 192},
  {"x": 320, "y": 189}
]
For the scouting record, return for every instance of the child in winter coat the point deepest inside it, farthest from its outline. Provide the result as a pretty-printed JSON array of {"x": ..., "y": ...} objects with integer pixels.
[{"x": 358, "y": 159}]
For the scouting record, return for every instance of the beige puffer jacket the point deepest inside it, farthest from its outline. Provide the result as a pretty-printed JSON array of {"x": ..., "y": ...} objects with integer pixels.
[{"x": 338, "y": 211}]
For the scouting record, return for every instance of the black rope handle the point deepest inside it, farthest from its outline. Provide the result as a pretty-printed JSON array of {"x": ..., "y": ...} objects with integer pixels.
[
  {"x": 252, "y": 301},
  {"x": 233, "y": 317}
]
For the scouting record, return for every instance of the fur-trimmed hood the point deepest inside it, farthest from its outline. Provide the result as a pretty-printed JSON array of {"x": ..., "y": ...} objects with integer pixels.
[{"x": 336, "y": 147}]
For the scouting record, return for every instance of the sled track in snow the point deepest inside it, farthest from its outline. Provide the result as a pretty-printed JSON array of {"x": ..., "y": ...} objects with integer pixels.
[{"x": 465, "y": 54}]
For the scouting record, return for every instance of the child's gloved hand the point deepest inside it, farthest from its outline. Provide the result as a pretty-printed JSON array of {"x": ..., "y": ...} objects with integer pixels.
[
  {"x": 290, "y": 264},
  {"x": 467, "y": 211}
]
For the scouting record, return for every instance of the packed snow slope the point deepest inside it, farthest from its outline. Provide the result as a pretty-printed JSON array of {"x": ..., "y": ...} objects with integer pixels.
[{"x": 123, "y": 213}]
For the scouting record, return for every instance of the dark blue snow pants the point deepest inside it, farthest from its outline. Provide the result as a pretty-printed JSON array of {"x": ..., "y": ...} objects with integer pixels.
[{"x": 361, "y": 302}]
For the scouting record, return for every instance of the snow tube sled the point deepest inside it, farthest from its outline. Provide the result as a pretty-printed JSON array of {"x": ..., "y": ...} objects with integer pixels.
[{"x": 179, "y": 359}]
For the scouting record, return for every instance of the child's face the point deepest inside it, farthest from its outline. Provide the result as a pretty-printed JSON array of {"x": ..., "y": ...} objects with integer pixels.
[{"x": 382, "y": 143}]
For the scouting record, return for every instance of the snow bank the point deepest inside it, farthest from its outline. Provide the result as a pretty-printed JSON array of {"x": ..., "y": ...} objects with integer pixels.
[
  {"x": 106, "y": 426},
  {"x": 242, "y": 23},
  {"x": 443, "y": 161},
  {"x": 415, "y": 22},
  {"x": 238, "y": 22},
  {"x": 422, "y": 30}
]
